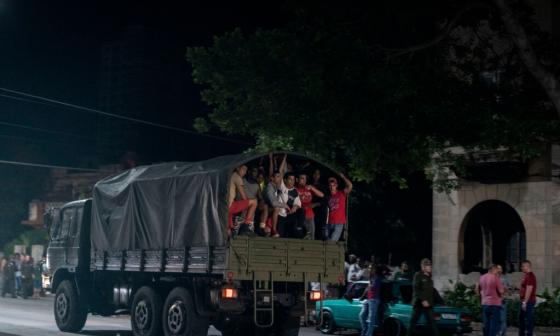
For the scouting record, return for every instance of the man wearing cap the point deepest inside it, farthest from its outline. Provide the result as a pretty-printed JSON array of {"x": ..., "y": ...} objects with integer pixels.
[
  {"x": 337, "y": 208},
  {"x": 423, "y": 298}
]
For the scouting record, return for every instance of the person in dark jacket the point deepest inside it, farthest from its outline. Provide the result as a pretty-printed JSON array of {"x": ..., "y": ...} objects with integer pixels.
[
  {"x": 423, "y": 298},
  {"x": 9, "y": 273},
  {"x": 27, "y": 275}
]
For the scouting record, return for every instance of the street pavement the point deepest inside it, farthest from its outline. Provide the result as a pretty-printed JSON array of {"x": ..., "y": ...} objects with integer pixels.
[{"x": 33, "y": 317}]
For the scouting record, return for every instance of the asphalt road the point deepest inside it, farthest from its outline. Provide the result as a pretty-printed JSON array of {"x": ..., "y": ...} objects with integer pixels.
[{"x": 33, "y": 317}]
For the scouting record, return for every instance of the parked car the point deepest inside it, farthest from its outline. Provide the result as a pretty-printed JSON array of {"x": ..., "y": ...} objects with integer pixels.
[{"x": 395, "y": 312}]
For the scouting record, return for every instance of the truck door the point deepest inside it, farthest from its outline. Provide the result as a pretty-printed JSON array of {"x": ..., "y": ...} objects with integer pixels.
[
  {"x": 73, "y": 240},
  {"x": 58, "y": 249}
]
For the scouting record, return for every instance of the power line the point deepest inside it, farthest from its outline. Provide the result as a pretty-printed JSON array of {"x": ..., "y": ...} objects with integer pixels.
[
  {"x": 68, "y": 146},
  {"x": 38, "y": 129},
  {"x": 40, "y": 165},
  {"x": 107, "y": 114}
]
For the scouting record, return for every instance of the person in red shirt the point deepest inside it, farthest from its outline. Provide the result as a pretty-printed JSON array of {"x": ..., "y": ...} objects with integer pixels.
[
  {"x": 490, "y": 289},
  {"x": 306, "y": 193},
  {"x": 528, "y": 296},
  {"x": 337, "y": 208}
]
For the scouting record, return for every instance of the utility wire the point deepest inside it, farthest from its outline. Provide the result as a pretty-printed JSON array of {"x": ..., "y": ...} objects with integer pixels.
[
  {"x": 69, "y": 146},
  {"x": 107, "y": 114},
  {"x": 38, "y": 129},
  {"x": 40, "y": 165}
]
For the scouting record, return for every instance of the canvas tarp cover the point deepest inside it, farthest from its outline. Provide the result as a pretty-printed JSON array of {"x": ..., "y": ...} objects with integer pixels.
[{"x": 169, "y": 205}]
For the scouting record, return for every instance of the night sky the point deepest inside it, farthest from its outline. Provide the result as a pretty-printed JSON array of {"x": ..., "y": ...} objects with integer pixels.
[{"x": 53, "y": 49}]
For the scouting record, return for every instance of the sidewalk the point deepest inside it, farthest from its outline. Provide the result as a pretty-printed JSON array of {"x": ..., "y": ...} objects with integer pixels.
[{"x": 513, "y": 331}]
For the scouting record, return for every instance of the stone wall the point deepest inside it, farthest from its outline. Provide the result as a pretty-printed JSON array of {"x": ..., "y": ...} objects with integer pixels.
[{"x": 538, "y": 205}]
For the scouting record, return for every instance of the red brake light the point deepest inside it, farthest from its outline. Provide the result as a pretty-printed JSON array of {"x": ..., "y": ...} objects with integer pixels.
[
  {"x": 466, "y": 318},
  {"x": 229, "y": 293},
  {"x": 437, "y": 316},
  {"x": 315, "y": 295}
]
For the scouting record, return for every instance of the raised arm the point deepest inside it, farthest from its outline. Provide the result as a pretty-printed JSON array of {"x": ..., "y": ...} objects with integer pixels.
[
  {"x": 347, "y": 182},
  {"x": 270, "y": 164},
  {"x": 283, "y": 165},
  {"x": 316, "y": 191}
]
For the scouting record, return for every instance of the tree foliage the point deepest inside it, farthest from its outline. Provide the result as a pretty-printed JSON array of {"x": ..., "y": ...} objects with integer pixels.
[{"x": 342, "y": 84}]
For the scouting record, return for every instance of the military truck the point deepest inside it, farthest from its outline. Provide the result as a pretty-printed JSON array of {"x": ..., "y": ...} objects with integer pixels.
[{"x": 153, "y": 242}]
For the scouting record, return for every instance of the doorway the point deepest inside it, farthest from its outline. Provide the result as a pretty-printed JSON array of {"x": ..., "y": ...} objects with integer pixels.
[{"x": 492, "y": 233}]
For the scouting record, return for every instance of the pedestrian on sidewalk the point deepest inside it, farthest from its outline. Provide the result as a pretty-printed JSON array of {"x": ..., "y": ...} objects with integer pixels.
[
  {"x": 528, "y": 296},
  {"x": 423, "y": 298},
  {"x": 490, "y": 289},
  {"x": 503, "y": 316}
]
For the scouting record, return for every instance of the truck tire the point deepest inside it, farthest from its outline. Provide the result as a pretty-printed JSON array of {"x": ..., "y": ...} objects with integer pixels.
[
  {"x": 69, "y": 313},
  {"x": 180, "y": 317},
  {"x": 145, "y": 313}
]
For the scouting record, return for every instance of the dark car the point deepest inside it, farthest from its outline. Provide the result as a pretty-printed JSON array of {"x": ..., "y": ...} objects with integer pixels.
[{"x": 395, "y": 312}]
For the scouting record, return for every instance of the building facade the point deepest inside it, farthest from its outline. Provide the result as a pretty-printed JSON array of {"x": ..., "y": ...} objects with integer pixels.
[{"x": 501, "y": 222}]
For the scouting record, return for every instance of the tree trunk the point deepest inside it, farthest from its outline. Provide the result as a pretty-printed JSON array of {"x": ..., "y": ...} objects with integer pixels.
[{"x": 519, "y": 37}]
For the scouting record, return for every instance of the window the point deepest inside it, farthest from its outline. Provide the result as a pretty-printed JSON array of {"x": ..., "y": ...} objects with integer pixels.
[
  {"x": 66, "y": 222},
  {"x": 74, "y": 231}
]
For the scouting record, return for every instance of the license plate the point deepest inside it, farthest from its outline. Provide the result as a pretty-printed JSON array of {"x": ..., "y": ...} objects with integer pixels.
[{"x": 449, "y": 316}]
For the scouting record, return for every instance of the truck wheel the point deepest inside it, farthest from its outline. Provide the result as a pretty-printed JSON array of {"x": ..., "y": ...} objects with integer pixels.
[
  {"x": 180, "y": 317},
  {"x": 327, "y": 325},
  {"x": 393, "y": 327},
  {"x": 69, "y": 313},
  {"x": 145, "y": 316}
]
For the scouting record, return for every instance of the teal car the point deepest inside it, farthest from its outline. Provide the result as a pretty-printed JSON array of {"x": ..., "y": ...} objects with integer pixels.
[{"x": 394, "y": 313}]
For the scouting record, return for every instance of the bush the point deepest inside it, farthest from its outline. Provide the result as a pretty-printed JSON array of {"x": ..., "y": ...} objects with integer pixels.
[
  {"x": 547, "y": 313},
  {"x": 465, "y": 297}
]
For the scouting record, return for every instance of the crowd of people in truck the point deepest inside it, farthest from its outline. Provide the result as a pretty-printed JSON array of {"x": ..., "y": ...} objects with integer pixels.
[{"x": 288, "y": 201}]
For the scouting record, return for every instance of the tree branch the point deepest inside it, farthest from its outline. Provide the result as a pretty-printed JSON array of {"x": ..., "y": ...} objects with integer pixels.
[
  {"x": 444, "y": 32},
  {"x": 527, "y": 54}
]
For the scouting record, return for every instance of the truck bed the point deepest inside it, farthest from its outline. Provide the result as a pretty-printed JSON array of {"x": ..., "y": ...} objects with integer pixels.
[{"x": 291, "y": 260}]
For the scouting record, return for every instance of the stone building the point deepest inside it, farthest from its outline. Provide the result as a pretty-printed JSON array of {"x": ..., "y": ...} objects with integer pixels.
[{"x": 504, "y": 219}]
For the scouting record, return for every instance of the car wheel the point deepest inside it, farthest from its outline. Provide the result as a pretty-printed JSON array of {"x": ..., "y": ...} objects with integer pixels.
[
  {"x": 327, "y": 324},
  {"x": 393, "y": 327},
  {"x": 180, "y": 317},
  {"x": 145, "y": 316},
  {"x": 69, "y": 313}
]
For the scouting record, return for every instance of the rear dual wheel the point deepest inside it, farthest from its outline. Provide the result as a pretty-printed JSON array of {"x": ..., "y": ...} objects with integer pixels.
[
  {"x": 145, "y": 316},
  {"x": 180, "y": 317}
]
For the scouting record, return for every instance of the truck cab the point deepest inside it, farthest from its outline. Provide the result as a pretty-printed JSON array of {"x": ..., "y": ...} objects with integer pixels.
[{"x": 68, "y": 253}]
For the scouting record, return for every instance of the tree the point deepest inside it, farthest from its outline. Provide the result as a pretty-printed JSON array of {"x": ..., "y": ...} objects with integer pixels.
[{"x": 344, "y": 84}]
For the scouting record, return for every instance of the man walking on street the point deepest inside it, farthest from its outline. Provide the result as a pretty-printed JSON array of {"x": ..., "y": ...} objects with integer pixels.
[
  {"x": 369, "y": 312},
  {"x": 527, "y": 294},
  {"x": 491, "y": 291},
  {"x": 423, "y": 298}
]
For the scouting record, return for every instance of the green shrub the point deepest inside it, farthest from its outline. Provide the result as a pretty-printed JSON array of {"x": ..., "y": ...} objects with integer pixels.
[
  {"x": 547, "y": 313},
  {"x": 465, "y": 297}
]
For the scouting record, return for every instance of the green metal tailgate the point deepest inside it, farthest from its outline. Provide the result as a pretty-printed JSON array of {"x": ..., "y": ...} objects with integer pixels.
[{"x": 287, "y": 259}]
